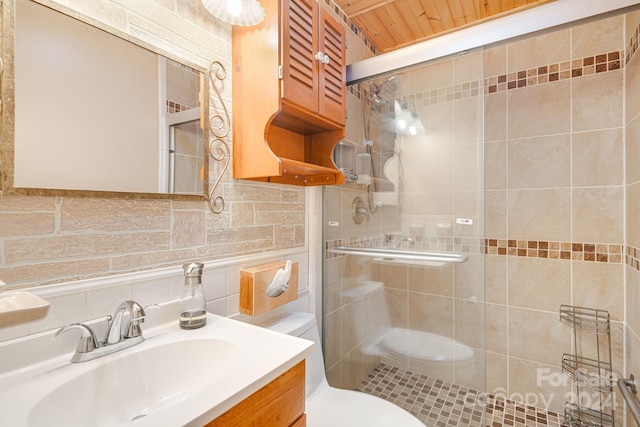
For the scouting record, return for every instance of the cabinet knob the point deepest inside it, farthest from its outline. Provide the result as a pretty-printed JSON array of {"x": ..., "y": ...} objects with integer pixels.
[{"x": 323, "y": 58}]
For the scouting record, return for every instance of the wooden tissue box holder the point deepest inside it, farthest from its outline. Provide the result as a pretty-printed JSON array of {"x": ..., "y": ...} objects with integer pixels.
[{"x": 253, "y": 288}]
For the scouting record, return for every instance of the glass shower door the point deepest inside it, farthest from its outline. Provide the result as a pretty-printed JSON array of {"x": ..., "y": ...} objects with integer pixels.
[{"x": 420, "y": 131}]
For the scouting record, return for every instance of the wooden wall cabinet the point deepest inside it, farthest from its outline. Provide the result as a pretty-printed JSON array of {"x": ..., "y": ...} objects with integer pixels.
[
  {"x": 278, "y": 404},
  {"x": 289, "y": 95}
]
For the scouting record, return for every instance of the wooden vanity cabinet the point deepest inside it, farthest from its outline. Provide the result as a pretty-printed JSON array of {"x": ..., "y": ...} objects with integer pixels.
[
  {"x": 289, "y": 95},
  {"x": 278, "y": 404}
]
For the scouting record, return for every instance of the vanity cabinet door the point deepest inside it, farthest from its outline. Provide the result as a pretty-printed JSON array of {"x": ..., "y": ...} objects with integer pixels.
[{"x": 278, "y": 404}]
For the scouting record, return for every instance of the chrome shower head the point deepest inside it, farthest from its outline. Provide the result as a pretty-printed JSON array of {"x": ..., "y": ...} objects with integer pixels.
[{"x": 383, "y": 91}]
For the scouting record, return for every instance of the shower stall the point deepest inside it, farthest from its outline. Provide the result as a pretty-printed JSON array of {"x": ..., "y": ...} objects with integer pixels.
[{"x": 403, "y": 274}]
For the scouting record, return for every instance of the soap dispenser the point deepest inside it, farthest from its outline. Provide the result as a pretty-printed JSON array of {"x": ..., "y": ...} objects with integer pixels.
[{"x": 193, "y": 305}]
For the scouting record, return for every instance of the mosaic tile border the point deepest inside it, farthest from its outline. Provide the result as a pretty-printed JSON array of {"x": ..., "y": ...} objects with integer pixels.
[
  {"x": 632, "y": 44},
  {"x": 589, "y": 65},
  {"x": 632, "y": 257},
  {"x": 174, "y": 107},
  {"x": 597, "y": 252},
  {"x": 429, "y": 97},
  {"x": 442, "y": 404}
]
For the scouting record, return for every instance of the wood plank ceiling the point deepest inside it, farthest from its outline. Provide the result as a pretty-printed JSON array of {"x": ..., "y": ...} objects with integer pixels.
[{"x": 392, "y": 24}]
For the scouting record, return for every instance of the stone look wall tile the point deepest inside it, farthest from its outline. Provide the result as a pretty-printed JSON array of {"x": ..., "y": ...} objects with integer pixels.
[
  {"x": 536, "y": 51},
  {"x": 530, "y": 327},
  {"x": 539, "y": 110},
  {"x": 151, "y": 259},
  {"x": 188, "y": 229},
  {"x": 597, "y": 101},
  {"x": 239, "y": 234},
  {"x": 270, "y": 217},
  {"x": 538, "y": 284},
  {"x": 541, "y": 213},
  {"x": 633, "y": 300},
  {"x": 26, "y": 203},
  {"x": 598, "y": 214},
  {"x": 597, "y": 158},
  {"x": 83, "y": 214},
  {"x": 604, "y": 35},
  {"x": 51, "y": 272},
  {"x": 431, "y": 313},
  {"x": 496, "y": 333},
  {"x": 81, "y": 246},
  {"x": 27, "y": 224},
  {"x": 632, "y": 150},
  {"x": 599, "y": 285},
  {"x": 543, "y": 162}
]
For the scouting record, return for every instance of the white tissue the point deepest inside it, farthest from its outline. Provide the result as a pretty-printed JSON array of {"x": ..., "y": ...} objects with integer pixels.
[{"x": 280, "y": 282}]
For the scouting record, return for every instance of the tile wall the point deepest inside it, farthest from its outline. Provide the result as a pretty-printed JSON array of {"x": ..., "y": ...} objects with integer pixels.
[
  {"x": 554, "y": 200},
  {"x": 47, "y": 240},
  {"x": 89, "y": 247},
  {"x": 555, "y": 214},
  {"x": 632, "y": 151}
]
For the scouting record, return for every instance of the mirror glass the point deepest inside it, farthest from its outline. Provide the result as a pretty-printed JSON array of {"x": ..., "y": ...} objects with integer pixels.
[{"x": 96, "y": 112}]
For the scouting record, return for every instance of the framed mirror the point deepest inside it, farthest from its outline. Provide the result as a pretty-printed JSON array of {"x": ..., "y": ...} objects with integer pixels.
[{"x": 89, "y": 110}]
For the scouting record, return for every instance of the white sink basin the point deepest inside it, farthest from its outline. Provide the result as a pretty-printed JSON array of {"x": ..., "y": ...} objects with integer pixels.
[
  {"x": 175, "y": 377},
  {"x": 140, "y": 382}
]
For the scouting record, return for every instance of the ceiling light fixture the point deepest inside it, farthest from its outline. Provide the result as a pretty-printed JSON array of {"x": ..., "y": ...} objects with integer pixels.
[{"x": 243, "y": 13}]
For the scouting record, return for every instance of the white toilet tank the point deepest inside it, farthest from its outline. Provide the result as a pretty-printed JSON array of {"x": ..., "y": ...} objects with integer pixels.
[{"x": 304, "y": 325}]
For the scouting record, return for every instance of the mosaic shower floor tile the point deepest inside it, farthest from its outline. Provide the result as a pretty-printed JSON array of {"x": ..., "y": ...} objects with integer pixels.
[{"x": 438, "y": 403}]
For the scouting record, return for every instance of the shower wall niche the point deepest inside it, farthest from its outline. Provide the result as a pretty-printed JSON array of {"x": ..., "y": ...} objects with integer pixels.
[{"x": 424, "y": 127}]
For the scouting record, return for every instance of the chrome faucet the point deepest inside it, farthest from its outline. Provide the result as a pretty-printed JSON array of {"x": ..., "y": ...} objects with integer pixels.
[
  {"x": 398, "y": 240},
  {"x": 115, "y": 332},
  {"x": 405, "y": 239},
  {"x": 116, "y": 337}
]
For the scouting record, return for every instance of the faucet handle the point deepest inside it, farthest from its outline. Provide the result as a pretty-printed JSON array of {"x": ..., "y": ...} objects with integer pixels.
[
  {"x": 88, "y": 341},
  {"x": 137, "y": 315}
]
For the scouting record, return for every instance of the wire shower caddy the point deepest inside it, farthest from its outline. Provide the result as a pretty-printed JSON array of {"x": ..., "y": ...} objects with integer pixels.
[{"x": 592, "y": 376}]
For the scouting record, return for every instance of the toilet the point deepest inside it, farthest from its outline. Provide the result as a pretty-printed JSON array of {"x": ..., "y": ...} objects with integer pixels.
[
  {"x": 327, "y": 406},
  {"x": 426, "y": 353},
  {"x": 421, "y": 352}
]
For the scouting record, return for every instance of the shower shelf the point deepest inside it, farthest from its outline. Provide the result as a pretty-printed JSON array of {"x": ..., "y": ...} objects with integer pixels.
[
  {"x": 585, "y": 319},
  {"x": 592, "y": 373},
  {"x": 576, "y": 415},
  {"x": 387, "y": 254}
]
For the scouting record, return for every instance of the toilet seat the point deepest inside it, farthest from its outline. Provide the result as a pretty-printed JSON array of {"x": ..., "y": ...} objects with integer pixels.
[
  {"x": 346, "y": 408},
  {"x": 424, "y": 346}
]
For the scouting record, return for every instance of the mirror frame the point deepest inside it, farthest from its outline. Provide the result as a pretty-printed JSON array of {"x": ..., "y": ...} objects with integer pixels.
[{"x": 7, "y": 109}]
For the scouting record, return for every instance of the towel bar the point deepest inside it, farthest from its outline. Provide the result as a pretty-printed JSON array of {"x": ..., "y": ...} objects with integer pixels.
[
  {"x": 627, "y": 387},
  {"x": 396, "y": 254}
]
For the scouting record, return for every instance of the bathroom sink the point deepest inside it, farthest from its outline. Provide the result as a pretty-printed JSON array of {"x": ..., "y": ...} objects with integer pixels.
[
  {"x": 131, "y": 387},
  {"x": 175, "y": 377}
]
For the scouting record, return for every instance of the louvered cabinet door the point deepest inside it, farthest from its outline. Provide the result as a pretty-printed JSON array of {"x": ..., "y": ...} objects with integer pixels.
[
  {"x": 332, "y": 69},
  {"x": 300, "y": 44}
]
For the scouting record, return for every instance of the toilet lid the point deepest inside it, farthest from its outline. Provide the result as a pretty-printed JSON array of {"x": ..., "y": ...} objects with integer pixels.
[{"x": 426, "y": 346}]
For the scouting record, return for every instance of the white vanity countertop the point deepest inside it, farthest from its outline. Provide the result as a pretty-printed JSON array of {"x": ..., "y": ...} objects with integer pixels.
[{"x": 259, "y": 356}]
